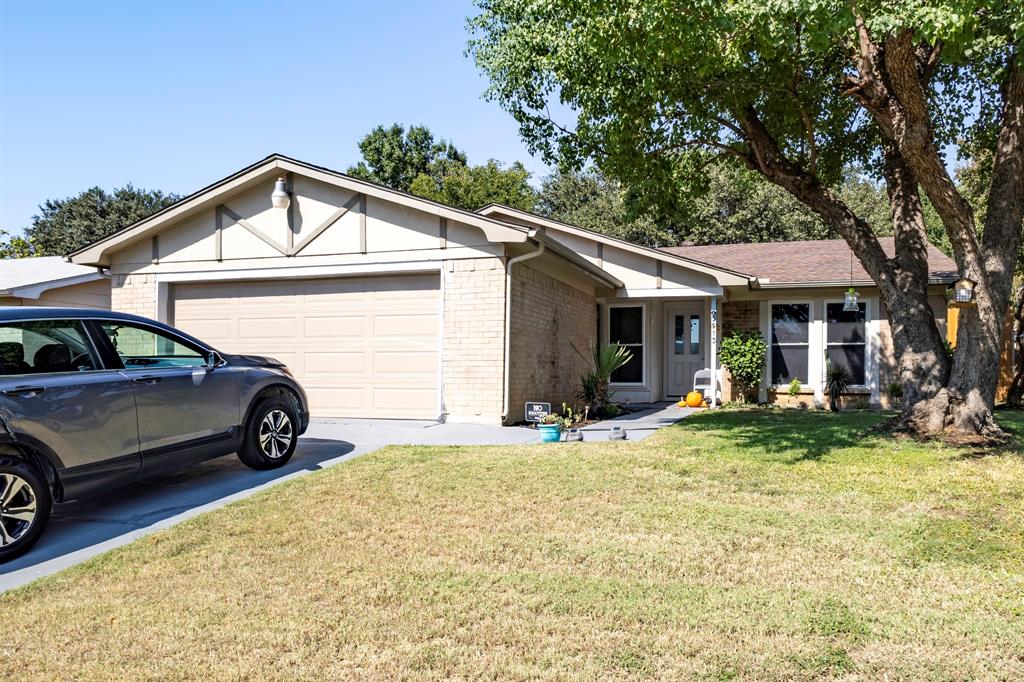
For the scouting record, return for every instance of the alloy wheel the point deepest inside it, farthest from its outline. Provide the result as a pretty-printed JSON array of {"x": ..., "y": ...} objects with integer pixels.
[
  {"x": 17, "y": 508},
  {"x": 276, "y": 434}
]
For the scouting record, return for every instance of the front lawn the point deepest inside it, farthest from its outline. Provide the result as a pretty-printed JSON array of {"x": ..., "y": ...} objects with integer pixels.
[{"x": 739, "y": 544}]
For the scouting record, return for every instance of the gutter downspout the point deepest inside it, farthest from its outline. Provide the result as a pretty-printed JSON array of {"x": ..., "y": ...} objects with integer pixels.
[{"x": 508, "y": 321}]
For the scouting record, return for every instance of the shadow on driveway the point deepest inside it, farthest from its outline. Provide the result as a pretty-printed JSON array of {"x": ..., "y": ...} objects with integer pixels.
[{"x": 87, "y": 526}]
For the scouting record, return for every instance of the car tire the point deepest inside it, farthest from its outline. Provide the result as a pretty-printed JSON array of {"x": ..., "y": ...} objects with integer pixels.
[
  {"x": 270, "y": 434},
  {"x": 25, "y": 506}
]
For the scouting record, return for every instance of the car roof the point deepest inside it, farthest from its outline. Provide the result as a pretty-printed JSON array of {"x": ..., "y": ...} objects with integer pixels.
[{"x": 21, "y": 313}]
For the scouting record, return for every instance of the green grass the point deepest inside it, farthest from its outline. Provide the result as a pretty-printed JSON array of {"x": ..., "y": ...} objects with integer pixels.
[{"x": 737, "y": 545}]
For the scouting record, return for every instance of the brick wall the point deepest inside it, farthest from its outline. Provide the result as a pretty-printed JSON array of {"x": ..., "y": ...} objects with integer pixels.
[
  {"x": 740, "y": 316},
  {"x": 547, "y": 315},
  {"x": 135, "y": 294},
  {"x": 474, "y": 339}
]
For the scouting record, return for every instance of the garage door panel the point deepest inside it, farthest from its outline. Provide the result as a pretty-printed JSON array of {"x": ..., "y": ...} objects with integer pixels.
[{"x": 361, "y": 346}]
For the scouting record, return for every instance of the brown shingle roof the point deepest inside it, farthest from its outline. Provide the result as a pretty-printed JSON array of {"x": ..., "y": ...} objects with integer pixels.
[{"x": 807, "y": 262}]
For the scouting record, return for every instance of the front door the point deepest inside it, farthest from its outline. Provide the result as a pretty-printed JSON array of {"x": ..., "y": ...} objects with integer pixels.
[{"x": 685, "y": 325}]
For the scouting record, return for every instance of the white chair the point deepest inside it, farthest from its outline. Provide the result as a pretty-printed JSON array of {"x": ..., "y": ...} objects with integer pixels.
[{"x": 702, "y": 382}]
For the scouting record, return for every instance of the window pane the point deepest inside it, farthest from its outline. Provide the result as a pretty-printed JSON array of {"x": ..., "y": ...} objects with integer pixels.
[
  {"x": 626, "y": 325},
  {"x": 790, "y": 322},
  {"x": 37, "y": 346},
  {"x": 788, "y": 363},
  {"x": 852, "y": 358},
  {"x": 142, "y": 348},
  {"x": 845, "y": 326},
  {"x": 695, "y": 335},
  {"x": 633, "y": 371},
  {"x": 680, "y": 335}
]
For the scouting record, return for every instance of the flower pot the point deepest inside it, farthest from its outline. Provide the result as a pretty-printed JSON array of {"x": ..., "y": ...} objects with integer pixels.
[{"x": 550, "y": 433}]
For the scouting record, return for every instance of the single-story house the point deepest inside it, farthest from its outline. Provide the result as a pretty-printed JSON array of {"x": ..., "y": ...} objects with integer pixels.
[
  {"x": 389, "y": 305},
  {"x": 52, "y": 281}
]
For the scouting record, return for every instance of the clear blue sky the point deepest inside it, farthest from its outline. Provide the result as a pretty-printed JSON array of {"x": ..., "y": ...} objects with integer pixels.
[{"x": 176, "y": 95}]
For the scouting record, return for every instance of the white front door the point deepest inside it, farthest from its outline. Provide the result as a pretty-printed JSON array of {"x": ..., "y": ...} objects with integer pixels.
[{"x": 684, "y": 324}]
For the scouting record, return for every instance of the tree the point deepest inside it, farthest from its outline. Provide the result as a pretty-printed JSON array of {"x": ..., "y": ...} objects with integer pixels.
[
  {"x": 797, "y": 91},
  {"x": 395, "y": 158},
  {"x": 12, "y": 246},
  {"x": 471, "y": 187},
  {"x": 65, "y": 225},
  {"x": 591, "y": 200}
]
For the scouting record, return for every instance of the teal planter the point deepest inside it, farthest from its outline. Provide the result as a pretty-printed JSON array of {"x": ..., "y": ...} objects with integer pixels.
[{"x": 549, "y": 433}]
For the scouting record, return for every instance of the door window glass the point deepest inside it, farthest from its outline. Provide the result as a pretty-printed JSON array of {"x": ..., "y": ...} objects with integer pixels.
[
  {"x": 145, "y": 348},
  {"x": 680, "y": 334},
  {"x": 695, "y": 335},
  {"x": 45, "y": 346}
]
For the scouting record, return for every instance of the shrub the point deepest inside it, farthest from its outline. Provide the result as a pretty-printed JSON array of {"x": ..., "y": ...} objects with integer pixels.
[
  {"x": 594, "y": 383},
  {"x": 794, "y": 387},
  {"x": 896, "y": 390},
  {"x": 837, "y": 380},
  {"x": 743, "y": 354}
]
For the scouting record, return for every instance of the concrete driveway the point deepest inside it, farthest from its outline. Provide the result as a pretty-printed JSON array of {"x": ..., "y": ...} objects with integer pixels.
[{"x": 79, "y": 530}]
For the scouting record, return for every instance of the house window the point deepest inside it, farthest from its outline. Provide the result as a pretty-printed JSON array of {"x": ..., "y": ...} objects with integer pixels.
[
  {"x": 846, "y": 341},
  {"x": 626, "y": 328},
  {"x": 790, "y": 342}
]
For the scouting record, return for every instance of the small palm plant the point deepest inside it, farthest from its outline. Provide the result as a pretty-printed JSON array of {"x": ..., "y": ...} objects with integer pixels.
[
  {"x": 837, "y": 380},
  {"x": 604, "y": 360}
]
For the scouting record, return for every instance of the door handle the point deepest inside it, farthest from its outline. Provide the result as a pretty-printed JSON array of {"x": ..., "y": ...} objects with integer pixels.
[
  {"x": 149, "y": 381},
  {"x": 25, "y": 391}
]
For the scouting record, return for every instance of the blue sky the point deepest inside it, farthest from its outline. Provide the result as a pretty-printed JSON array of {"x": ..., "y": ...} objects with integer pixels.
[{"x": 176, "y": 95}]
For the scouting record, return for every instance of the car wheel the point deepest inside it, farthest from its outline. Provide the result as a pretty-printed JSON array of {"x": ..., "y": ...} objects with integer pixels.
[
  {"x": 270, "y": 435},
  {"x": 25, "y": 504}
]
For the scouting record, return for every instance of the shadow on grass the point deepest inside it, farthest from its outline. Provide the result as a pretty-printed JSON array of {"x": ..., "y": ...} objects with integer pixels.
[{"x": 798, "y": 436}]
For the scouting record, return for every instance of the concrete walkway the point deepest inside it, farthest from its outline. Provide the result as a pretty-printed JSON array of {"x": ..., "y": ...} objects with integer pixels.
[
  {"x": 80, "y": 530},
  {"x": 640, "y": 424}
]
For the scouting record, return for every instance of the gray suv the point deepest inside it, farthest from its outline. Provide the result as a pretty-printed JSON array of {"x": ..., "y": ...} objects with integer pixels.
[{"x": 92, "y": 399}]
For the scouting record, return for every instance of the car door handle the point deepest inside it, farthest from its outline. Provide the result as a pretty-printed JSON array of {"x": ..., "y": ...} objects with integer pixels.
[
  {"x": 25, "y": 391},
  {"x": 149, "y": 381}
]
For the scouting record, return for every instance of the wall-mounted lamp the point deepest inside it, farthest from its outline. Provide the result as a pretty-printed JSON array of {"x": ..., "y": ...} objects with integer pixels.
[
  {"x": 963, "y": 293},
  {"x": 280, "y": 197}
]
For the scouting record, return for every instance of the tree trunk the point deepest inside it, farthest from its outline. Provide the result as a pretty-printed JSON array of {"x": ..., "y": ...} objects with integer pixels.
[{"x": 1015, "y": 397}]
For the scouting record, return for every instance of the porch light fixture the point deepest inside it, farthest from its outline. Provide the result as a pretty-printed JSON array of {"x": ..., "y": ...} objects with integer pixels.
[
  {"x": 850, "y": 302},
  {"x": 280, "y": 197},
  {"x": 963, "y": 293}
]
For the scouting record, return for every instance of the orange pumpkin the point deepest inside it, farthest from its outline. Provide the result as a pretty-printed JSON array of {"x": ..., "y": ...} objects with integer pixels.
[{"x": 694, "y": 399}]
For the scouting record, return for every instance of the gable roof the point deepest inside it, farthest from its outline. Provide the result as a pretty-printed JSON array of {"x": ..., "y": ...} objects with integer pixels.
[
  {"x": 29, "y": 277},
  {"x": 726, "y": 276},
  {"x": 98, "y": 252},
  {"x": 806, "y": 263}
]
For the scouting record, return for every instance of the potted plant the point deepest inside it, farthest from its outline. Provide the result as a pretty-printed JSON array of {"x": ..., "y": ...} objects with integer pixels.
[{"x": 550, "y": 428}]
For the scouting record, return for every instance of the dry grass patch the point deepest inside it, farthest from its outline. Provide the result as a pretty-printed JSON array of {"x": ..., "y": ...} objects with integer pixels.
[{"x": 751, "y": 544}]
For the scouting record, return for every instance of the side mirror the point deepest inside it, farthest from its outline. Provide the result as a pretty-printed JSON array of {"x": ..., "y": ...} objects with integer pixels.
[{"x": 213, "y": 359}]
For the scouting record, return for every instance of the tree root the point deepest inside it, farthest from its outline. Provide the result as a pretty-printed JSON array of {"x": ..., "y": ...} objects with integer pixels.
[{"x": 948, "y": 418}]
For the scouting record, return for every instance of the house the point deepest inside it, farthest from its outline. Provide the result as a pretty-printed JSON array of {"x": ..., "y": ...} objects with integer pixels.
[
  {"x": 389, "y": 305},
  {"x": 52, "y": 281}
]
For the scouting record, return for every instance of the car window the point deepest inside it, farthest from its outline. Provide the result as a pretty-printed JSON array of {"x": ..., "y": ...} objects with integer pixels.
[
  {"x": 145, "y": 348},
  {"x": 45, "y": 346}
]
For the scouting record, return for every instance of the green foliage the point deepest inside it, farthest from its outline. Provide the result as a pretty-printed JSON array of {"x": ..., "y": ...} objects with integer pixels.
[
  {"x": 895, "y": 390},
  {"x": 415, "y": 162},
  {"x": 794, "y": 388},
  {"x": 394, "y": 157},
  {"x": 589, "y": 199},
  {"x": 743, "y": 354},
  {"x": 12, "y": 246},
  {"x": 471, "y": 187},
  {"x": 65, "y": 225},
  {"x": 837, "y": 381},
  {"x": 594, "y": 383}
]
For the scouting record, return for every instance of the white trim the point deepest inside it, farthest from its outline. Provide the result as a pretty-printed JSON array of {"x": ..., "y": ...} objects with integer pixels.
[
  {"x": 644, "y": 340},
  {"x": 713, "y": 332},
  {"x": 679, "y": 292},
  {"x": 39, "y": 288},
  {"x": 354, "y": 269}
]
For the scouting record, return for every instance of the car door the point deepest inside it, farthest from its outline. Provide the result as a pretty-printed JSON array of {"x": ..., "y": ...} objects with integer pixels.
[
  {"x": 57, "y": 395},
  {"x": 187, "y": 409}
]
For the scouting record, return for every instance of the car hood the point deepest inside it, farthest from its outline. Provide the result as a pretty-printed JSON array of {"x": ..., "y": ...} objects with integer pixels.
[{"x": 254, "y": 361}]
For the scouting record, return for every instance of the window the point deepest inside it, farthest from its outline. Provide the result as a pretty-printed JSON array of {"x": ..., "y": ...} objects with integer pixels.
[
  {"x": 790, "y": 342},
  {"x": 45, "y": 346},
  {"x": 694, "y": 334},
  {"x": 145, "y": 348},
  {"x": 845, "y": 342},
  {"x": 682, "y": 323},
  {"x": 626, "y": 328}
]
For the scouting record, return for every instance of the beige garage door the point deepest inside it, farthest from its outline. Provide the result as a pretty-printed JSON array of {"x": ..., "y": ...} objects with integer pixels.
[{"x": 360, "y": 346}]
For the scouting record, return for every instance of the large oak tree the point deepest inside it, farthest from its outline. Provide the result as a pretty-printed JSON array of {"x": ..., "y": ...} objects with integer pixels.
[{"x": 798, "y": 90}]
